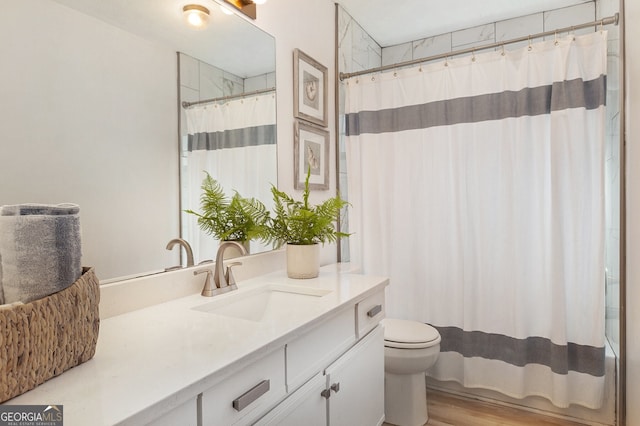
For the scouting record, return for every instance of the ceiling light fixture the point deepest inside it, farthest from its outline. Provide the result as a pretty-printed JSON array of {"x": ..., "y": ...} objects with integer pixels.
[
  {"x": 248, "y": 7},
  {"x": 197, "y": 16}
]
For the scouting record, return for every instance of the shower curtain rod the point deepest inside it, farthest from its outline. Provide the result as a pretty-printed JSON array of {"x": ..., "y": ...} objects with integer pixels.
[
  {"x": 186, "y": 104},
  {"x": 601, "y": 22}
]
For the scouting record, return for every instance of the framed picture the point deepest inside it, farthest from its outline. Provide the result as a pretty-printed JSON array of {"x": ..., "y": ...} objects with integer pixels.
[
  {"x": 310, "y": 150},
  {"x": 309, "y": 89}
]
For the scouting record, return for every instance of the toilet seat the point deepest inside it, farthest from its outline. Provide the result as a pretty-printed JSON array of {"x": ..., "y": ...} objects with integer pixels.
[{"x": 405, "y": 334}]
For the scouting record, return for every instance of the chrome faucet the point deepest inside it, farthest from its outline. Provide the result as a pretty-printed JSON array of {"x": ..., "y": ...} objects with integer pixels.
[
  {"x": 221, "y": 278},
  {"x": 185, "y": 245}
]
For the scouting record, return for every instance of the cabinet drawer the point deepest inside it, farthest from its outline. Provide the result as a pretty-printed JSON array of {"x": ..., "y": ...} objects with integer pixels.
[
  {"x": 247, "y": 394},
  {"x": 369, "y": 312},
  {"x": 311, "y": 352}
]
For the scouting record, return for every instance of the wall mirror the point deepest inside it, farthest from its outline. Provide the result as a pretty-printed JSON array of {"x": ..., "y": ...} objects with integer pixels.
[{"x": 92, "y": 115}]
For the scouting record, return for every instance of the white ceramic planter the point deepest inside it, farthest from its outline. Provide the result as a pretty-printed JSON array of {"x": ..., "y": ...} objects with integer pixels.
[{"x": 303, "y": 261}]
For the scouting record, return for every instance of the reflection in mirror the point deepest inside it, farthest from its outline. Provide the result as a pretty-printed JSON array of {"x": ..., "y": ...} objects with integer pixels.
[
  {"x": 88, "y": 100},
  {"x": 228, "y": 132}
]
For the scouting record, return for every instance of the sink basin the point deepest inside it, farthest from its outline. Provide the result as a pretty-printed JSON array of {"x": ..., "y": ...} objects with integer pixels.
[{"x": 265, "y": 303}]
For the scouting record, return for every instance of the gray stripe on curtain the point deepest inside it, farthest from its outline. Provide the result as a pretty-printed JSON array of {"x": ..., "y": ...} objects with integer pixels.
[
  {"x": 520, "y": 352},
  {"x": 236, "y": 138},
  {"x": 529, "y": 101}
]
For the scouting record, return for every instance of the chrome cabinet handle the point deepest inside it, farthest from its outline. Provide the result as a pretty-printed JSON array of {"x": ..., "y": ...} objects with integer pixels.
[
  {"x": 241, "y": 402},
  {"x": 374, "y": 311},
  {"x": 335, "y": 387}
]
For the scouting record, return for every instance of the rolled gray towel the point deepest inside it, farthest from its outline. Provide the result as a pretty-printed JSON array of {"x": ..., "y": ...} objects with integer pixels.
[{"x": 40, "y": 250}]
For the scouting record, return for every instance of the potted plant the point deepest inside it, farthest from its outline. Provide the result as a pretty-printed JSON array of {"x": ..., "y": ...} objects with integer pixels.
[
  {"x": 236, "y": 219},
  {"x": 302, "y": 227}
]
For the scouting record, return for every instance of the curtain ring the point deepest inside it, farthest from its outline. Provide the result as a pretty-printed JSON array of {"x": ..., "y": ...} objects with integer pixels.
[
  {"x": 601, "y": 25},
  {"x": 373, "y": 78},
  {"x": 473, "y": 55},
  {"x": 503, "y": 53},
  {"x": 420, "y": 69},
  {"x": 446, "y": 61},
  {"x": 555, "y": 38},
  {"x": 530, "y": 47},
  {"x": 395, "y": 73}
]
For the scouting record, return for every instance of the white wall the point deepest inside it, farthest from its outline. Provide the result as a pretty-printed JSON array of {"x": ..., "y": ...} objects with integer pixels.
[
  {"x": 308, "y": 26},
  {"x": 87, "y": 110},
  {"x": 632, "y": 58}
]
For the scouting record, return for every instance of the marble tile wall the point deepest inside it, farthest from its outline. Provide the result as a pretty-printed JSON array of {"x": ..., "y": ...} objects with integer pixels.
[
  {"x": 606, "y": 8},
  {"x": 358, "y": 51},
  {"x": 200, "y": 81},
  {"x": 492, "y": 33}
]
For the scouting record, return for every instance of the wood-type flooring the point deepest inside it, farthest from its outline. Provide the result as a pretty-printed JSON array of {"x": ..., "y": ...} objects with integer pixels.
[{"x": 450, "y": 410}]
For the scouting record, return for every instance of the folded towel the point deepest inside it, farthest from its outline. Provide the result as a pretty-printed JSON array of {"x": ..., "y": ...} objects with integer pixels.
[{"x": 40, "y": 250}]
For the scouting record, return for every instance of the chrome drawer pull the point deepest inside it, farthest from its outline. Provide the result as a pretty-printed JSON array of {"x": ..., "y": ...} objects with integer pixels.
[
  {"x": 251, "y": 395},
  {"x": 374, "y": 311}
]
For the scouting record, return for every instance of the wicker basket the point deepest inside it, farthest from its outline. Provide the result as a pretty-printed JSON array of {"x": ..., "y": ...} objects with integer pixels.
[{"x": 42, "y": 339}]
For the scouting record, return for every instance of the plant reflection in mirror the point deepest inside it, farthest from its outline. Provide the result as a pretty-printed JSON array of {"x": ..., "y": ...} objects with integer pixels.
[{"x": 230, "y": 219}]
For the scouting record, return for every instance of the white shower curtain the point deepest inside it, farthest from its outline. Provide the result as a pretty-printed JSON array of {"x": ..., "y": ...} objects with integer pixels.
[
  {"x": 235, "y": 142},
  {"x": 476, "y": 185}
]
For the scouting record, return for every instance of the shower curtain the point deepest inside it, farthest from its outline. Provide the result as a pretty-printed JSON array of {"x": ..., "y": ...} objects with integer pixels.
[
  {"x": 231, "y": 141},
  {"x": 476, "y": 185}
]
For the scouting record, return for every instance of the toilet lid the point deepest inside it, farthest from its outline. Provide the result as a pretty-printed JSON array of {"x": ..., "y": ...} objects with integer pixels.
[{"x": 409, "y": 334}]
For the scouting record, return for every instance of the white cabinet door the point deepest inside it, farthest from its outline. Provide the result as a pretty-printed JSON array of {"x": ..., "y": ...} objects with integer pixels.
[
  {"x": 306, "y": 406},
  {"x": 356, "y": 381}
]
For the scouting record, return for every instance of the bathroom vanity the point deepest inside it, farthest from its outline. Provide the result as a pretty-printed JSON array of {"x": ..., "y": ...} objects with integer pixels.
[{"x": 275, "y": 351}]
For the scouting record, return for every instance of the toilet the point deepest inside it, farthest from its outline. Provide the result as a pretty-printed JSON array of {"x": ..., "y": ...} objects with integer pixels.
[{"x": 410, "y": 348}]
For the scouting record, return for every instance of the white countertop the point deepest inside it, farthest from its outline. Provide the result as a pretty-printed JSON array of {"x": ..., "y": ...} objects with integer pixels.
[{"x": 152, "y": 360}]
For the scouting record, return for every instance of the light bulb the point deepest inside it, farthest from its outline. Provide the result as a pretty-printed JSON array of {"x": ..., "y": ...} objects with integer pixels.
[{"x": 196, "y": 16}]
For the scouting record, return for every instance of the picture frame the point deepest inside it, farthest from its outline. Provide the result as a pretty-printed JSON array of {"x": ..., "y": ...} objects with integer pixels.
[
  {"x": 310, "y": 149},
  {"x": 309, "y": 89}
]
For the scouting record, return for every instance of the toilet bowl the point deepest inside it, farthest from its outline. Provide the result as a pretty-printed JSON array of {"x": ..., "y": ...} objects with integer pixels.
[{"x": 410, "y": 348}]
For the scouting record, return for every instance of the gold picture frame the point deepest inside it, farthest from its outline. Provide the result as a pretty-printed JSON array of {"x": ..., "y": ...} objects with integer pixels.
[
  {"x": 310, "y": 149},
  {"x": 309, "y": 89}
]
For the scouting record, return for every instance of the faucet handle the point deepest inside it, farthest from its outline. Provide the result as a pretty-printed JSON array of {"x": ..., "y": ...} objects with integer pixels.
[
  {"x": 229, "y": 275},
  {"x": 208, "y": 289}
]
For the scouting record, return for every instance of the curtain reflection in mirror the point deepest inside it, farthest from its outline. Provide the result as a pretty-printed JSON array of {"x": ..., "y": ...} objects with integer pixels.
[{"x": 230, "y": 141}]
